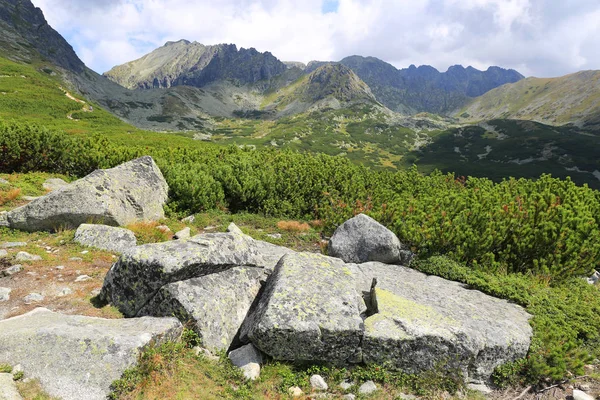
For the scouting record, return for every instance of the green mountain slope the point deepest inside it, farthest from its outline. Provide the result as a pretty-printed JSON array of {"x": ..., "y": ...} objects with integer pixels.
[{"x": 572, "y": 99}]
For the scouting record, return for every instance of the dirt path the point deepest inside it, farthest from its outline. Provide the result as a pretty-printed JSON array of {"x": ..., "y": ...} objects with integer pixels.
[{"x": 85, "y": 108}]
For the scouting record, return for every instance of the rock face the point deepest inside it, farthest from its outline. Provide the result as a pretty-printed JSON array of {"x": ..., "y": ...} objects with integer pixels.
[
  {"x": 76, "y": 357},
  {"x": 130, "y": 192},
  {"x": 424, "y": 321},
  {"x": 8, "y": 388},
  {"x": 309, "y": 311},
  {"x": 363, "y": 239},
  {"x": 216, "y": 304},
  {"x": 105, "y": 237}
]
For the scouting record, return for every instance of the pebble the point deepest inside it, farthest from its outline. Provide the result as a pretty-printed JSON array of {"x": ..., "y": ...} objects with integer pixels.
[
  {"x": 479, "y": 388},
  {"x": 83, "y": 278},
  {"x": 65, "y": 292},
  {"x": 189, "y": 219},
  {"x": 163, "y": 228},
  {"x": 30, "y": 198},
  {"x": 295, "y": 391},
  {"x": 75, "y": 259},
  {"x": 275, "y": 235},
  {"x": 60, "y": 267},
  {"x": 3, "y": 181},
  {"x": 33, "y": 298},
  {"x": 318, "y": 383},
  {"x": 345, "y": 385},
  {"x": 84, "y": 252},
  {"x": 3, "y": 253},
  {"x": 349, "y": 396},
  {"x": 5, "y": 294},
  {"x": 205, "y": 352},
  {"x": 367, "y": 388},
  {"x": 579, "y": 395},
  {"x": 15, "y": 269},
  {"x": 183, "y": 234},
  {"x": 25, "y": 256}
]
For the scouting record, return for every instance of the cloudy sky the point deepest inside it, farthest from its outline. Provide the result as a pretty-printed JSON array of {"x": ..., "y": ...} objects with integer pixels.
[{"x": 536, "y": 37}]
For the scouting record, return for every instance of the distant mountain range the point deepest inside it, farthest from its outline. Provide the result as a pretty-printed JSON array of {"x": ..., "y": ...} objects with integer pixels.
[
  {"x": 493, "y": 123},
  {"x": 409, "y": 91}
]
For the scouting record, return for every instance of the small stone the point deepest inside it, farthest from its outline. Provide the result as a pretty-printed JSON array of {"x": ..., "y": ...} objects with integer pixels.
[
  {"x": 30, "y": 198},
  {"x": 479, "y": 388},
  {"x": 15, "y": 269},
  {"x": 17, "y": 368},
  {"x": 248, "y": 358},
  {"x": 48, "y": 248},
  {"x": 275, "y": 235},
  {"x": 31, "y": 273},
  {"x": 3, "y": 253},
  {"x": 54, "y": 184},
  {"x": 65, "y": 292},
  {"x": 579, "y": 395},
  {"x": 25, "y": 256},
  {"x": 295, "y": 391},
  {"x": 11, "y": 245},
  {"x": 95, "y": 292},
  {"x": 75, "y": 259},
  {"x": 345, "y": 385},
  {"x": 33, "y": 298},
  {"x": 3, "y": 181},
  {"x": 367, "y": 388},
  {"x": 5, "y": 294},
  {"x": 206, "y": 353},
  {"x": 183, "y": 234},
  {"x": 60, "y": 267},
  {"x": 210, "y": 228},
  {"x": 163, "y": 228},
  {"x": 404, "y": 396},
  {"x": 349, "y": 396},
  {"x": 189, "y": 220},
  {"x": 584, "y": 387},
  {"x": 232, "y": 228},
  {"x": 83, "y": 278},
  {"x": 318, "y": 383},
  {"x": 84, "y": 252}
]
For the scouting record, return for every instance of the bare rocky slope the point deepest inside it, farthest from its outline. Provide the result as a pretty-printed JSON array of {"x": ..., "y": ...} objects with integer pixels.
[{"x": 571, "y": 99}]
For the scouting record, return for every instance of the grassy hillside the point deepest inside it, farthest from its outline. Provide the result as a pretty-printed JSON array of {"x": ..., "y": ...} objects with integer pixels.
[{"x": 572, "y": 99}]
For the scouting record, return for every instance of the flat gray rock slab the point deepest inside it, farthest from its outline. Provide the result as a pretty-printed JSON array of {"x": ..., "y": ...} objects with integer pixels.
[
  {"x": 77, "y": 357},
  {"x": 425, "y": 321},
  {"x": 309, "y": 311},
  {"x": 140, "y": 272},
  {"x": 362, "y": 239},
  {"x": 105, "y": 237},
  {"x": 215, "y": 304},
  {"x": 133, "y": 191},
  {"x": 8, "y": 388}
]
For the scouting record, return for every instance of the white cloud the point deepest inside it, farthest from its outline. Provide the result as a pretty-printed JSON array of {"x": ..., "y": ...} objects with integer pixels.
[{"x": 537, "y": 37}]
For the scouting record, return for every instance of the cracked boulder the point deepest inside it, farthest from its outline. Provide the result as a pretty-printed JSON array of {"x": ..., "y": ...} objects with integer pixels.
[
  {"x": 142, "y": 271},
  {"x": 133, "y": 191},
  {"x": 76, "y": 357},
  {"x": 426, "y": 322},
  {"x": 215, "y": 304},
  {"x": 309, "y": 311}
]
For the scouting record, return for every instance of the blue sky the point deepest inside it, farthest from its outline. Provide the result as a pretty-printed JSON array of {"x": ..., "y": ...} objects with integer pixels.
[{"x": 536, "y": 37}]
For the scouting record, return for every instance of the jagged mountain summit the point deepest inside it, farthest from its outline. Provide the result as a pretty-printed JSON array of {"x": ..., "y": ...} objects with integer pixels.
[
  {"x": 194, "y": 64},
  {"x": 409, "y": 91}
]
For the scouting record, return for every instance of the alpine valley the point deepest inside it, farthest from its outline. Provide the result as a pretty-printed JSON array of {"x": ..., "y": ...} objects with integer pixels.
[{"x": 492, "y": 123}]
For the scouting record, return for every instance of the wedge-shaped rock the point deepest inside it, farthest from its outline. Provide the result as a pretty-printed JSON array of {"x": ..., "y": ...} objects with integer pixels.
[
  {"x": 362, "y": 239},
  {"x": 105, "y": 237},
  {"x": 426, "y": 322},
  {"x": 140, "y": 272},
  {"x": 77, "y": 357},
  {"x": 130, "y": 192},
  {"x": 217, "y": 304},
  {"x": 309, "y": 311}
]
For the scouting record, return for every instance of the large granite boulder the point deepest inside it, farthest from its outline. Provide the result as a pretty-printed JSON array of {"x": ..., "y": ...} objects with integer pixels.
[
  {"x": 309, "y": 311},
  {"x": 140, "y": 272},
  {"x": 425, "y": 322},
  {"x": 215, "y": 304},
  {"x": 77, "y": 357},
  {"x": 105, "y": 237},
  {"x": 130, "y": 192},
  {"x": 362, "y": 239}
]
